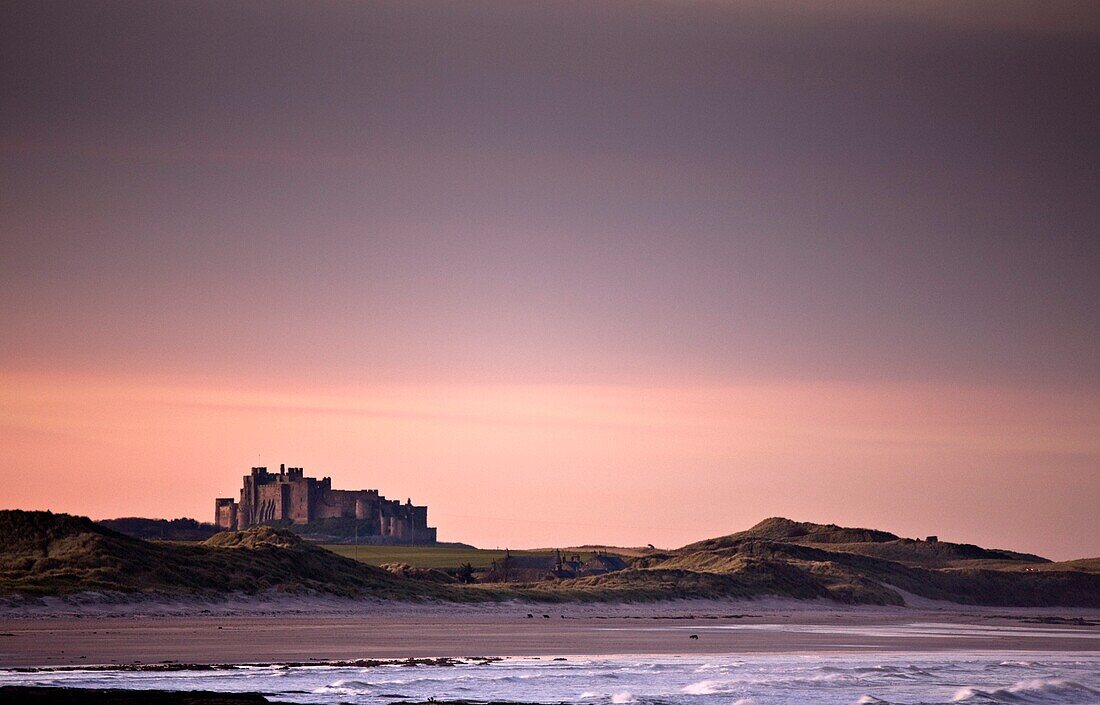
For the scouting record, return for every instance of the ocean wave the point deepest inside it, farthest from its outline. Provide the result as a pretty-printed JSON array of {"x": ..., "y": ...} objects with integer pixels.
[
  {"x": 709, "y": 687},
  {"x": 718, "y": 666},
  {"x": 994, "y": 678},
  {"x": 1040, "y": 690},
  {"x": 449, "y": 678},
  {"x": 904, "y": 672},
  {"x": 785, "y": 680},
  {"x": 340, "y": 690}
]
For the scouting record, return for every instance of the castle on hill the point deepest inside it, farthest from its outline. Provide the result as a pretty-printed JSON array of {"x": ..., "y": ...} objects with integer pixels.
[{"x": 291, "y": 496}]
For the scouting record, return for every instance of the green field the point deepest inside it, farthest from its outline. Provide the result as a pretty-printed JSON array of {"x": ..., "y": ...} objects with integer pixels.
[{"x": 426, "y": 556}]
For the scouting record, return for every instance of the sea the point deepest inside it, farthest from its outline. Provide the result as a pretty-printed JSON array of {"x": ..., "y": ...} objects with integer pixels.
[{"x": 852, "y": 676}]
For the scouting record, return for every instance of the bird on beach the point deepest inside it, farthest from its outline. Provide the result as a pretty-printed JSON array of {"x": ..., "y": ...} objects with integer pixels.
[{"x": 693, "y": 636}]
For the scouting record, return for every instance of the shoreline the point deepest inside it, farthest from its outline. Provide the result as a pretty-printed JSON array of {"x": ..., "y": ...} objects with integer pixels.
[
  {"x": 328, "y": 632},
  {"x": 96, "y": 605}
]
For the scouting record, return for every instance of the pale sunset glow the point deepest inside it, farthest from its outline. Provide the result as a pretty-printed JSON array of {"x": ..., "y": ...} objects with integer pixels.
[{"x": 528, "y": 462}]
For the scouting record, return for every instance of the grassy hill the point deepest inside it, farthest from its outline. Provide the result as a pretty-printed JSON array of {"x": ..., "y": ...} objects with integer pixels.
[
  {"x": 802, "y": 560},
  {"x": 868, "y": 566},
  {"x": 780, "y": 529},
  {"x": 849, "y": 576},
  {"x": 46, "y": 553},
  {"x": 868, "y": 542},
  {"x": 53, "y": 554}
]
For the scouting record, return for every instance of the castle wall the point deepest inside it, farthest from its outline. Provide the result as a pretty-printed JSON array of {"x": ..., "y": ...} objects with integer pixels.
[
  {"x": 301, "y": 501},
  {"x": 290, "y": 496},
  {"x": 336, "y": 503},
  {"x": 272, "y": 503}
]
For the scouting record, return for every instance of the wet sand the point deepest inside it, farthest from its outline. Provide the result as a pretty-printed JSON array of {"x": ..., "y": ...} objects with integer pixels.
[{"x": 505, "y": 630}]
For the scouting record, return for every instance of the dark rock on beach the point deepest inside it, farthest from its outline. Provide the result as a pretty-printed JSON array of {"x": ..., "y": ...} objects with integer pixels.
[{"x": 31, "y": 695}]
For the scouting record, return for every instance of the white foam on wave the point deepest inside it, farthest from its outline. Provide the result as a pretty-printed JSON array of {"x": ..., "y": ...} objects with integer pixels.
[
  {"x": 1039, "y": 690},
  {"x": 726, "y": 665},
  {"x": 773, "y": 679},
  {"x": 709, "y": 687},
  {"x": 340, "y": 690},
  {"x": 617, "y": 698}
]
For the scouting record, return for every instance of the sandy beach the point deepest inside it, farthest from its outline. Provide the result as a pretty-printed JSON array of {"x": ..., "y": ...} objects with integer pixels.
[{"x": 334, "y": 631}]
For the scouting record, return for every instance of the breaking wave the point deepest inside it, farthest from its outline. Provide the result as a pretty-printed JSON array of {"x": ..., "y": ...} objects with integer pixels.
[
  {"x": 943, "y": 678},
  {"x": 1040, "y": 690},
  {"x": 704, "y": 688}
]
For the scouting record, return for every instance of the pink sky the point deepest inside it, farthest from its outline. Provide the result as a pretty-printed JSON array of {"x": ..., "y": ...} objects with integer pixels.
[
  {"x": 584, "y": 272},
  {"x": 541, "y": 465}
]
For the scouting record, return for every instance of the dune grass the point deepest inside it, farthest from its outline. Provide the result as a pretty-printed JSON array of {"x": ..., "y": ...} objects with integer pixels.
[
  {"x": 48, "y": 554},
  {"x": 57, "y": 554}
]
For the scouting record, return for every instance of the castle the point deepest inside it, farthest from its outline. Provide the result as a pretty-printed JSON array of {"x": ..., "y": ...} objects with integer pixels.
[{"x": 290, "y": 496}]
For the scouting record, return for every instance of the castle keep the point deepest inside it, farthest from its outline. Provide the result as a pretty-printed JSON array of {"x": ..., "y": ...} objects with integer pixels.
[{"x": 290, "y": 496}]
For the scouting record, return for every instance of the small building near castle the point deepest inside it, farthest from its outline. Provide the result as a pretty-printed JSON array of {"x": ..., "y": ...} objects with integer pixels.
[{"x": 290, "y": 496}]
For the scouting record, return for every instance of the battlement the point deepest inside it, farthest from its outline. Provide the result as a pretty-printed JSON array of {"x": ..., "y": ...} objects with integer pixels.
[{"x": 290, "y": 496}]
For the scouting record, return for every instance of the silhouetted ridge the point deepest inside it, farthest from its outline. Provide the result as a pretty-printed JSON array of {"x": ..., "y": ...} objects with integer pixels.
[
  {"x": 48, "y": 553},
  {"x": 182, "y": 529},
  {"x": 23, "y": 529},
  {"x": 781, "y": 529},
  {"x": 869, "y": 566}
]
